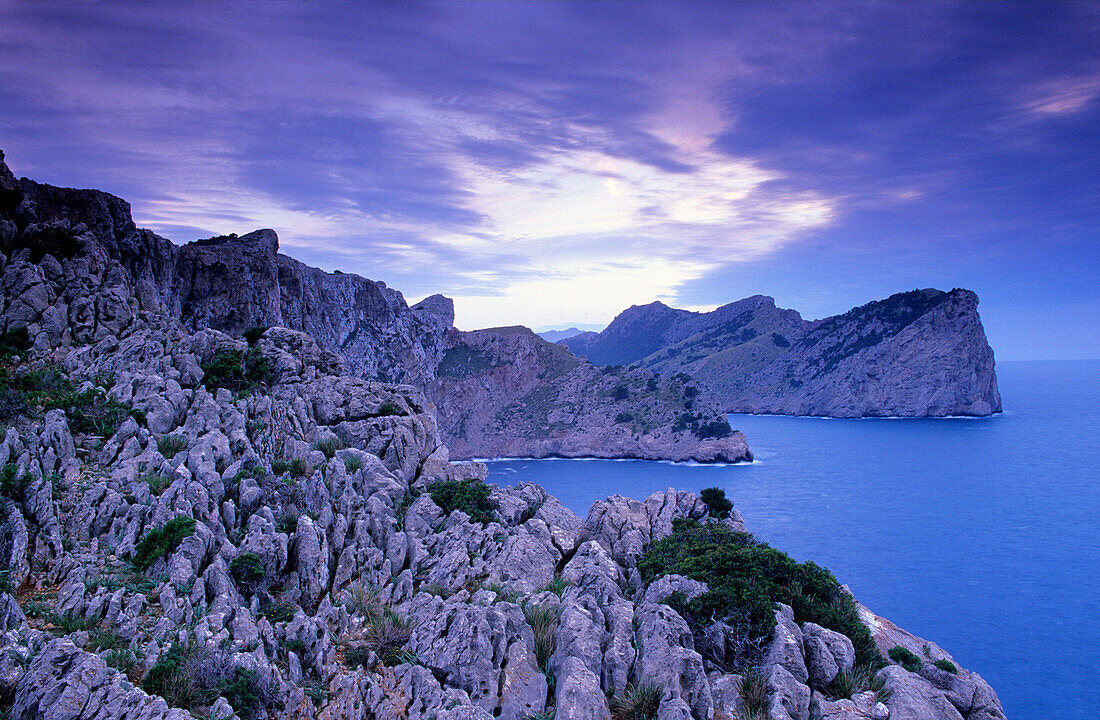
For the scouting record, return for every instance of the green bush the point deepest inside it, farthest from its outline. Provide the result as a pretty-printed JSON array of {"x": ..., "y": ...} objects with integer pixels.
[
  {"x": 247, "y": 568},
  {"x": 279, "y": 466},
  {"x": 471, "y": 496},
  {"x": 754, "y": 692},
  {"x": 50, "y": 388},
  {"x": 161, "y": 541},
  {"x": 747, "y": 578},
  {"x": 718, "y": 505},
  {"x": 716, "y": 429},
  {"x": 287, "y": 522},
  {"x": 278, "y": 612},
  {"x": 557, "y": 586},
  {"x": 906, "y": 658},
  {"x": 329, "y": 446},
  {"x": 170, "y": 445},
  {"x": 14, "y": 342},
  {"x": 624, "y": 417},
  {"x": 235, "y": 370},
  {"x": 620, "y": 392},
  {"x": 637, "y": 702},
  {"x": 352, "y": 464},
  {"x": 12, "y": 484},
  {"x": 298, "y": 467},
  {"x": 189, "y": 676},
  {"x": 388, "y": 408},
  {"x": 253, "y": 334},
  {"x": 356, "y": 656},
  {"x": 158, "y": 483},
  {"x": 947, "y": 666},
  {"x": 543, "y": 620}
]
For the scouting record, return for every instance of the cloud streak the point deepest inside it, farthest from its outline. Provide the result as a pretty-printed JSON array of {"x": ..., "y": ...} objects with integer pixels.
[{"x": 546, "y": 163}]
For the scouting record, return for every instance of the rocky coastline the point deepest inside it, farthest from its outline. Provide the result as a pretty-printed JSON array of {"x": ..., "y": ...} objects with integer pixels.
[{"x": 196, "y": 524}]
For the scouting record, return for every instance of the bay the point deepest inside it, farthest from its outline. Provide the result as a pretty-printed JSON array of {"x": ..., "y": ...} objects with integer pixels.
[{"x": 978, "y": 534}]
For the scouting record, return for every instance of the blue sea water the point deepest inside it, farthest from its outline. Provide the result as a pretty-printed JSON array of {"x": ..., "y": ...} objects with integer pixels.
[{"x": 978, "y": 534}]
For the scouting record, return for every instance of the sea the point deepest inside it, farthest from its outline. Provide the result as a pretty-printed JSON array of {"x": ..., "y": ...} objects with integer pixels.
[{"x": 981, "y": 535}]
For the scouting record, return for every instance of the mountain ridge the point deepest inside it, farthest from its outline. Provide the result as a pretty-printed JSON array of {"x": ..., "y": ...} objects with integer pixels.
[{"x": 915, "y": 354}]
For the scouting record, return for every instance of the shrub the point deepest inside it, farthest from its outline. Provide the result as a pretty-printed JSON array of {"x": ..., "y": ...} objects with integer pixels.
[
  {"x": 543, "y": 620},
  {"x": 287, "y": 522},
  {"x": 158, "y": 483},
  {"x": 947, "y": 666},
  {"x": 557, "y": 586},
  {"x": 386, "y": 634},
  {"x": 122, "y": 659},
  {"x": 624, "y": 417},
  {"x": 14, "y": 342},
  {"x": 278, "y": 612},
  {"x": 471, "y": 496},
  {"x": 105, "y": 640},
  {"x": 170, "y": 445},
  {"x": 906, "y": 658},
  {"x": 356, "y": 656},
  {"x": 718, "y": 505},
  {"x": 189, "y": 676},
  {"x": 388, "y": 408},
  {"x": 747, "y": 578},
  {"x": 407, "y": 499},
  {"x": 353, "y": 464},
  {"x": 637, "y": 702},
  {"x": 12, "y": 484},
  {"x": 715, "y": 429},
  {"x": 329, "y": 446},
  {"x": 298, "y": 467},
  {"x": 253, "y": 334},
  {"x": 435, "y": 589},
  {"x": 279, "y": 466},
  {"x": 364, "y": 600},
  {"x": 247, "y": 568},
  {"x": 754, "y": 692},
  {"x": 235, "y": 370},
  {"x": 620, "y": 392},
  {"x": 157, "y": 543}
]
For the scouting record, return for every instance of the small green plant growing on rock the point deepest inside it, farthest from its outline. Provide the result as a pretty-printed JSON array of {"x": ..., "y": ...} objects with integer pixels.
[
  {"x": 161, "y": 541},
  {"x": 905, "y": 657},
  {"x": 287, "y": 522},
  {"x": 278, "y": 612},
  {"x": 623, "y": 417},
  {"x": 747, "y": 578},
  {"x": 236, "y": 370},
  {"x": 253, "y": 334},
  {"x": 637, "y": 702},
  {"x": 170, "y": 445},
  {"x": 556, "y": 585},
  {"x": 947, "y": 666},
  {"x": 357, "y": 656},
  {"x": 543, "y": 620},
  {"x": 14, "y": 342},
  {"x": 12, "y": 484},
  {"x": 387, "y": 408},
  {"x": 279, "y": 467},
  {"x": 718, "y": 505},
  {"x": 353, "y": 464},
  {"x": 471, "y": 496},
  {"x": 158, "y": 483},
  {"x": 754, "y": 693},
  {"x": 247, "y": 569},
  {"x": 298, "y": 467},
  {"x": 329, "y": 446}
]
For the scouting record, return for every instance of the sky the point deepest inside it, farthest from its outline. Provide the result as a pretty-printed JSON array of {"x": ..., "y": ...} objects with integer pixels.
[{"x": 550, "y": 164}]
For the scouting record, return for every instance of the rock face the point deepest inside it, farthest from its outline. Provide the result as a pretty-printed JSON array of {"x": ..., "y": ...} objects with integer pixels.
[
  {"x": 504, "y": 391},
  {"x": 178, "y": 544},
  {"x": 920, "y": 353}
]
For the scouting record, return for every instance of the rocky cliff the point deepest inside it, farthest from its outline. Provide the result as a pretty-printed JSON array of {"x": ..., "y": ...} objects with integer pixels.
[
  {"x": 915, "y": 354},
  {"x": 194, "y": 525},
  {"x": 232, "y": 283}
]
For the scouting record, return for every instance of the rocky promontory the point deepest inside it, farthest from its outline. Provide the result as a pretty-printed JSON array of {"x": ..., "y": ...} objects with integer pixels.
[
  {"x": 505, "y": 391},
  {"x": 916, "y": 354}
]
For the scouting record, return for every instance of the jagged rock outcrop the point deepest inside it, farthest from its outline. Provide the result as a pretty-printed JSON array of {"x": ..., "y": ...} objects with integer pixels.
[
  {"x": 81, "y": 271},
  {"x": 193, "y": 525},
  {"x": 920, "y": 353}
]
